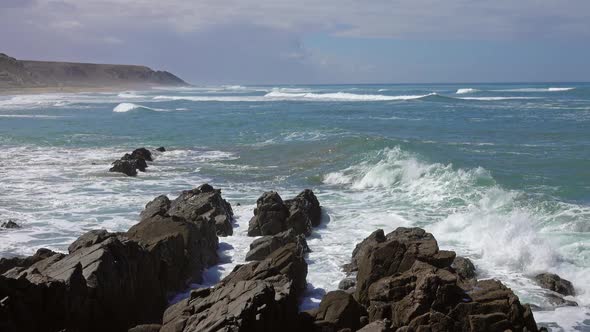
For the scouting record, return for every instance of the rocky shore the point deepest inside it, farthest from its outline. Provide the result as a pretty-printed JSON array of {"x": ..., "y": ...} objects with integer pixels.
[{"x": 399, "y": 281}]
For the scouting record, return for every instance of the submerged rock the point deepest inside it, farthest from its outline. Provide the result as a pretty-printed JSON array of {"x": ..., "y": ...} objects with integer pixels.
[
  {"x": 272, "y": 215},
  {"x": 10, "y": 224},
  {"x": 161, "y": 149},
  {"x": 555, "y": 283}
]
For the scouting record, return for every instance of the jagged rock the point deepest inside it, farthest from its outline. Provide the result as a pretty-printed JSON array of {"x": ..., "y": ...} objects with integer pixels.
[
  {"x": 405, "y": 278},
  {"x": 338, "y": 310},
  {"x": 146, "y": 328},
  {"x": 161, "y": 149},
  {"x": 140, "y": 163},
  {"x": 127, "y": 167},
  {"x": 558, "y": 301},
  {"x": 259, "y": 296},
  {"x": 130, "y": 163},
  {"x": 264, "y": 246},
  {"x": 397, "y": 254},
  {"x": 24, "y": 262},
  {"x": 305, "y": 205},
  {"x": 272, "y": 215},
  {"x": 115, "y": 281},
  {"x": 142, "y": 153},
  {"x": 10, "y": 224},
  {"x": 206, "y": 203},
  {"x": 555, "y": 283},
  {"x": 347, "y": 283},
  {"x": 464, "y": 267},
  {"x": 108, "y": 285},
  {"x": 363, "y": 249},
  {"x": 380, "y": 326}
]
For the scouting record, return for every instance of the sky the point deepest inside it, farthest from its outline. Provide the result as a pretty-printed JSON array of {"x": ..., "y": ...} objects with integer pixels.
[{"x": 311, "y": 42}]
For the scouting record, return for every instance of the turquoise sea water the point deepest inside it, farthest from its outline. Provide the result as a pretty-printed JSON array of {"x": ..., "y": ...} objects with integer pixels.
[{"x": 498, "y": 172}]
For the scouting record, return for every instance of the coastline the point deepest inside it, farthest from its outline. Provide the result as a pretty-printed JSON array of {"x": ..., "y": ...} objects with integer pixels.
[{"x": 73, "y": 89}]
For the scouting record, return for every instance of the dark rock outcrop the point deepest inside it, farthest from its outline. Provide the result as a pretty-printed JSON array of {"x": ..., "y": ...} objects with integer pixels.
[
  {"x": 113, "y": 281},
  {"x": 264, "y": 246},
  {"x": 129, "y": 164},
  {"x": 10, "y": 224},
  {"x": 338, "y": 310},
  {"x": 404, "y": 277},
  {"x": 272, "y": 215},
  {"x": 127, "y": 167},
  {"x": 161, "y": 149},
  {"x": 347, "y": 284},
  {"x": 259, "y": 296},
  {"x": 555, "y": 283},
  {"x": 205, "y": 203}
]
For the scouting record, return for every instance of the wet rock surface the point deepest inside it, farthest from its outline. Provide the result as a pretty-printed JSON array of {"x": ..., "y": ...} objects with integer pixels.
[
  {"x": 130, "y": 163},
  {"x": 264, "y": 246},
  {"x": 555, "y": 283},
  {"x": 10, "y": 224},
  {"x": 114, "y": 281},
  {"x": 259, "y": 296},
  {"x": 404, "y": 278},
  {"x": 272, "y": 215}
]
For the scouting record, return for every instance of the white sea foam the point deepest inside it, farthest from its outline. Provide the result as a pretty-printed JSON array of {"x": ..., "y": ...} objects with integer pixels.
[
  {"x": 129, "y": 94},
  {"x": 128, "y": 107},
  {"x": 340, "y": 96},
  {"x": 468, "y": 212},
  {"x": 466, "y": 90},
  {"x": 551, "y": 89},
  {"x": 497, "y": 98}
]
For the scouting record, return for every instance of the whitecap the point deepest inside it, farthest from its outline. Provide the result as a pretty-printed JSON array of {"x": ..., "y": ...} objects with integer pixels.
[{"x": 466, "y": 90}]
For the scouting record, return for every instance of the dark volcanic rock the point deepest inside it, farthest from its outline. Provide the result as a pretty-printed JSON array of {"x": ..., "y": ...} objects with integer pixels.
[
  {"x": 115, "y": 281},
  {"x": 464, "y": 267},
  {"x": 130, "y": 163},
  {"x": 347, "y": 283},
  {"x": 338, "y": 310},
  {"x": 161, "y": 149},
  {"x": 405, "y": 278},
  {"x": 10, "y": 224},
  {"x": 205, "y": 203},
  {"x": 127, "y": 167},
  {"x": 259, "y": 296},
  {"x": 272, "y": 215},
  {"x": 108, "y": 285},
  {"x": 139, "y": 163},
  {"x": 24, "y": 262},
  {"x": 555, "y": 283},
  {"x": 264, "y": 246},
  {"x": 142, "y": 153}
]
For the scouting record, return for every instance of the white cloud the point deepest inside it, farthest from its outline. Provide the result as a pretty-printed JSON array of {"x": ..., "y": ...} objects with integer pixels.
[{"x": 405, "y": 19}]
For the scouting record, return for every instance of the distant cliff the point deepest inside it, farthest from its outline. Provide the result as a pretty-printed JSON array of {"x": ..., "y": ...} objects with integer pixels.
[{"x": 16, "y": 74}]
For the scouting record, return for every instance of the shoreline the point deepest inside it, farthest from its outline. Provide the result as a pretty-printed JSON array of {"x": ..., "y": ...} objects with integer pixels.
[{"x": 75, "y": 89}]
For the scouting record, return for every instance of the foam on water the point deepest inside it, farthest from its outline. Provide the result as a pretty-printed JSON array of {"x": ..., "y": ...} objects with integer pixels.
[
  {"x": 466, "y": 90},
  {"x": 500, "y": 230},
  {"x": 128, "y": 107}
]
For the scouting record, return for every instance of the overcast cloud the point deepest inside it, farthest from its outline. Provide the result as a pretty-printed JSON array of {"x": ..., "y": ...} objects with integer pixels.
[{"x": 233, "y": 41}]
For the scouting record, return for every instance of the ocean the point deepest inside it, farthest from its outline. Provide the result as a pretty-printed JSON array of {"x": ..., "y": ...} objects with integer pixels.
[{"x": 500, "y": 173}]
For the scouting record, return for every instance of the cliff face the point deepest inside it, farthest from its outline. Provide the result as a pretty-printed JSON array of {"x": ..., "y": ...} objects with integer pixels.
[{"x": 16, "y": 74}]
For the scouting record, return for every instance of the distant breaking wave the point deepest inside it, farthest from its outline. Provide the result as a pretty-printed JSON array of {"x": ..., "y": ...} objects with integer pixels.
[
  {"x": 466, "y": 90},
  {"x": 127, "y": 107},
  {"x": 279, "y": 95},
  {"x": 344, "y": 96},
  {"x": 471, "y": 90}
]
